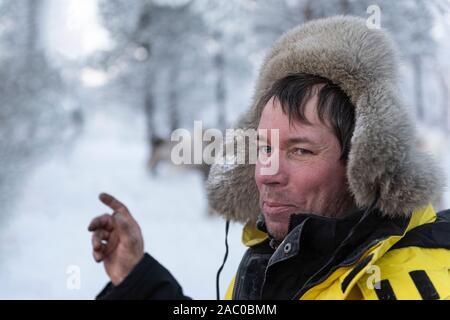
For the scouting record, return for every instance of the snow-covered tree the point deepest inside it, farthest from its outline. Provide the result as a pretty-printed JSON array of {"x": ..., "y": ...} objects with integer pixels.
[{"x": 31, "y": 119}]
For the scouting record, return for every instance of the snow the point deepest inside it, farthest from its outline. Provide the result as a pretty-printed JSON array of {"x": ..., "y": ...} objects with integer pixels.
[{"x": 46, "y": 234}]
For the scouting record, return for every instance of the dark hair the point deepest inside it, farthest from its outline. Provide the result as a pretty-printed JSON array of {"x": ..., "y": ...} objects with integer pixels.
[{"x": 294, "y": 91}]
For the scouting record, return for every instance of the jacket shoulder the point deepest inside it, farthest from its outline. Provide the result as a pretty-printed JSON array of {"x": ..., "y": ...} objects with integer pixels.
[
  {"x": 409, "y": 273},
  {"x": 416, "y": 267},
  {"x": 430, "y": 235}
]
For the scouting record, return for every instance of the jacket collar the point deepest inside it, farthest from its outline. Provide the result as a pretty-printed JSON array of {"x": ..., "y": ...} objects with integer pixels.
[
  {"x": 363, "y": 257},
  {"x": 256, "y": 233},
  {"x": 327, "y": 248}
]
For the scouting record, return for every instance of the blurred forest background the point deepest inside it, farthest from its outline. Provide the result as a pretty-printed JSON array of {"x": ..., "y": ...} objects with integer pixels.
[{"x": 90, "y": 91}]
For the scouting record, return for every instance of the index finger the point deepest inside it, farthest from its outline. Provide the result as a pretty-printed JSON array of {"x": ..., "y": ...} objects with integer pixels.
[{"x": 113, "y": 203}]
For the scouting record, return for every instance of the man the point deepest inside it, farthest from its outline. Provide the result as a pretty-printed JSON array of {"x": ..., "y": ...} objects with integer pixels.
[{"x": 348, "y": 213}]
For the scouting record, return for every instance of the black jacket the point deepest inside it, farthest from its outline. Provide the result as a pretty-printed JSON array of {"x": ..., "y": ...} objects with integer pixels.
[{"x": 149, "y": 280}]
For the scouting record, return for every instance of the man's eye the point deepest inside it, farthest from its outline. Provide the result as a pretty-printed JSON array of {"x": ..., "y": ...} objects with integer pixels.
[
  {"x": 301, "y": 151},
  {"x": 264, "y": 150}
]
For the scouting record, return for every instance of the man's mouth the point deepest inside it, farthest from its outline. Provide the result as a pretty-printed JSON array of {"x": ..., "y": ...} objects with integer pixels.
[{"x": 277, "y": 208}]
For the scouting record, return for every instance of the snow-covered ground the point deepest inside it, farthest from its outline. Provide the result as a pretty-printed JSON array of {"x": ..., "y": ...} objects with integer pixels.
[{"x": 46, "y": 234}]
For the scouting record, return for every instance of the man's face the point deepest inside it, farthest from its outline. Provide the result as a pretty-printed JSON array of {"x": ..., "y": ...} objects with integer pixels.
[{"x": 311, "y": 177}]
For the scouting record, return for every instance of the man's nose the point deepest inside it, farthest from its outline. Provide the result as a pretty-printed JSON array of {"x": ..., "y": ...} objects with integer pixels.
[{"x": 279, "y": 177}]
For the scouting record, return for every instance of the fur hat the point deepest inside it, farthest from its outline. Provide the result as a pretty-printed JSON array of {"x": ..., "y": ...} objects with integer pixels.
[{"x": 383, "y": 157}]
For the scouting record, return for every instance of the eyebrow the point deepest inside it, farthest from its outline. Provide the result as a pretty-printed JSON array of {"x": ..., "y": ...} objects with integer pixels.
[
  {"x": 260, "y": 138},
  {"x": 290, "y": 141},
  {"x": 296, "y": 140}
]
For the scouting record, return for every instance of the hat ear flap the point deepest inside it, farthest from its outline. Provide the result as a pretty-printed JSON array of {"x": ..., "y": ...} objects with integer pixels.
[
  {"x": 384, "y": 158},
  {"x": 231, "y": 188},
  {"x": 233, "y": 193}
]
